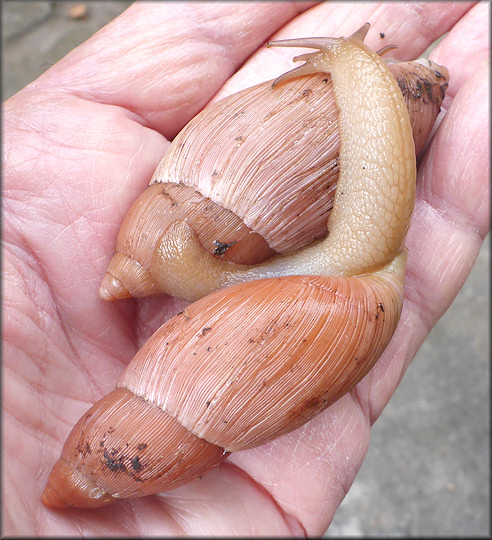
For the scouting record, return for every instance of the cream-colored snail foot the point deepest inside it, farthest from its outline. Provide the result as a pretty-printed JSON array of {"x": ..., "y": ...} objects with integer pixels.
[{"x": 183, "y": 269}]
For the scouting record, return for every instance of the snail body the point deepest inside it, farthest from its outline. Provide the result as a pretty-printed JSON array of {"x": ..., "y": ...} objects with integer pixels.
[
  {"x": 363, "y": 233},
  {"x": 253, "y": 175},
  {"x": 307, "y": 326}
]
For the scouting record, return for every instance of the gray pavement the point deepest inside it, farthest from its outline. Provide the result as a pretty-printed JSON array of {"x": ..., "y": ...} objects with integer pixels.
[{"x": 427, "y": 471}]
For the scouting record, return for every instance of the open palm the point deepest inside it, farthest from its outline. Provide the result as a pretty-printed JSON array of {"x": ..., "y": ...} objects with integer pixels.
[{"x": 81, "y": 143}]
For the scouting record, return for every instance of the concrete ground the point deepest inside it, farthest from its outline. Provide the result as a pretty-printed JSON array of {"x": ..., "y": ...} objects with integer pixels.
[{"x": 427, "y": 471}]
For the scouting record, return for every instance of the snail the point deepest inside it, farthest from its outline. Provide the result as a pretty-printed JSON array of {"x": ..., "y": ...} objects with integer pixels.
[
  {"x": 306, "y": 325},
  {"x": 248, "y": 166}
]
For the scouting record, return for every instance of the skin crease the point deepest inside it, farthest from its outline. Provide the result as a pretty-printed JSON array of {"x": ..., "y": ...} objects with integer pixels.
[{"x": 81, "y": 143}]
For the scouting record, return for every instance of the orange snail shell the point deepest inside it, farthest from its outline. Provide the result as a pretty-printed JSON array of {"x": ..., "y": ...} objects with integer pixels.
[{"x": 190, "y": 380}]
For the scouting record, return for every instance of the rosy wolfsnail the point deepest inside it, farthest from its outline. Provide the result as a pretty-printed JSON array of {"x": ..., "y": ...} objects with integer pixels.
[
  {"x": 306, "y": 326},
  {"x": 246, "y": 169}
]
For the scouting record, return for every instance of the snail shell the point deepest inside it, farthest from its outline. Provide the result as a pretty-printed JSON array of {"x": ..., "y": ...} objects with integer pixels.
[
  {"x": 247, "y": 167},
  {"x": 252, "y": 361},
  {"x": 198, "y": 389}
]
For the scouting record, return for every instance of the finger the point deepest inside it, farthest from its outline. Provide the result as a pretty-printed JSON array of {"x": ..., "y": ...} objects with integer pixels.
[
  {"x": 164, "y": 61},
  {"x": 411, "y": 26},
  {"x": 453, "y": 202},
  {"x": 227, "y": 500},
  {"x": 450, "y": 220},
  {"x": 465, "y": 48},
  {"x": 309, "y": 471}
]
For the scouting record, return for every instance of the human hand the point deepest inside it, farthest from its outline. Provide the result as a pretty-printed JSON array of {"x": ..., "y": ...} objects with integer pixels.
[{"x": 81, "y": 143}]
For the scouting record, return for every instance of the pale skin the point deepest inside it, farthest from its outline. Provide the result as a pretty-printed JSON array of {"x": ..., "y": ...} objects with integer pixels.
[{"x": 81, "y": 143}]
